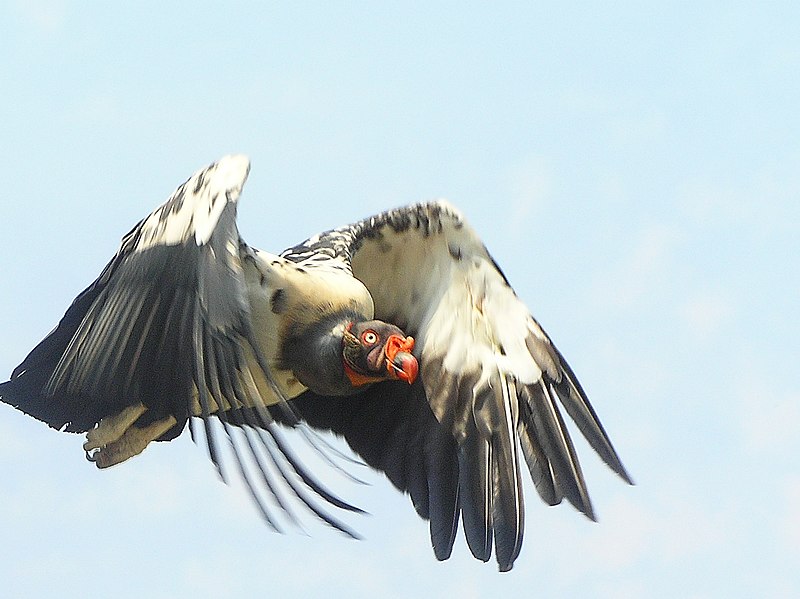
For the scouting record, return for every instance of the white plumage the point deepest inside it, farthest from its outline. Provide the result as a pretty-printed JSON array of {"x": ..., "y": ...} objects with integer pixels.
[{"x": 187, "y": 322}]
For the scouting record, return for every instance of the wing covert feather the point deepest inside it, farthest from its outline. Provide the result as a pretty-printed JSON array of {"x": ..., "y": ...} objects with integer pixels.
[
  {"x": 167, "y": 325},
  {"x": 490, "y": 373}
]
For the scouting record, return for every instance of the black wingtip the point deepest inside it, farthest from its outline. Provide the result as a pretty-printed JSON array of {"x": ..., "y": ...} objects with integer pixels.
[
  {"x": 620, "y": 470},
  {"x": 589, "y": 513},
  {"x": 626, "y": 477}
]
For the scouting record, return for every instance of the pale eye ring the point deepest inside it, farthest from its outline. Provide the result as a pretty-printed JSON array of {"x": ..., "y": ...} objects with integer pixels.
[{"x": 369, "y": 337}]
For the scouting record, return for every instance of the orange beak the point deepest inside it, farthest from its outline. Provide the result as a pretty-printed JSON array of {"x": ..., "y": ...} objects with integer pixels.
[{"x": 400, "y": 363}]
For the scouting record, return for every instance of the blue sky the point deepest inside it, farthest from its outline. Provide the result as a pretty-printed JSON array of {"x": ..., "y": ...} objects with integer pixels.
[{"x": 634, "y": 167}]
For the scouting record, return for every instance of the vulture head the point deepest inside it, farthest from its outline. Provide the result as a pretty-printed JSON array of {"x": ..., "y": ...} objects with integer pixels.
[
  {"x": 374, "y": 351},
  {"x": 341, "y": 354}
]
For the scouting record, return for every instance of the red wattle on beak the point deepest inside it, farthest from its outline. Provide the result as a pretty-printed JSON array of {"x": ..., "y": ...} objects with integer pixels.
[{"x": 400, "y": 362}]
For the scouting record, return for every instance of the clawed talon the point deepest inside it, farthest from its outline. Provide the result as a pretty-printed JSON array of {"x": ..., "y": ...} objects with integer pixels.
[
  {"x": 91, "y": 443},
  {"x": 104, "y": 449},
  {"x": 109, "y": 455},
  {"x": 112, "y": 428},
  {"x": 113, "y": 453}
]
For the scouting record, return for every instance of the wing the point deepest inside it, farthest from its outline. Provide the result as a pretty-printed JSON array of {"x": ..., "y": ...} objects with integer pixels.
[
  {"x": 132, "y": 330},
  {"x": 396, "y": 432},
  {"x": 491, "y": 380},
  {"x": 165, "y": 334}
]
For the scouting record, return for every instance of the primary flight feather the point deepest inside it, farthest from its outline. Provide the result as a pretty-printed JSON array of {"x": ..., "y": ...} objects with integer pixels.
[{"x": 398, "y": 332}]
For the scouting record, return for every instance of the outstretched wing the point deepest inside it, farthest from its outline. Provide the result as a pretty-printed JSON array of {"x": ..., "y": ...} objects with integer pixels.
[
  {"x": 167, "y": 326},
  {"x": 130, "y": 336},
  {"x": 491, "y": 380}
]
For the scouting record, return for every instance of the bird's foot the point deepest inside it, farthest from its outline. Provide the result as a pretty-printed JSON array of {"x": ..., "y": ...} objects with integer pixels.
[
  {"x": 112, "y": 428},
  {"x": 131, "y": 443}
]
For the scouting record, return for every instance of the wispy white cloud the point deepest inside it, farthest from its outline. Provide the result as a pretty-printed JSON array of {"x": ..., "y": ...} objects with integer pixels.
[
  {"x": 98, "y": 106},
  {"x": 659, "y": 530},
  {"x": 642, "y": 271},
  {"x": 46, "y": 16},
  {"x": 762, "y": 200},
  {"x": 640, "y": 528},
  {"x": 790, "y": 523},
  {"x": 706, "y": 311},
  {"x": 529, "y": 187},
  {"x": 640, "y": 129},
  {"x": 770, "y": 419},
  {"x": 12, "y": 442}
]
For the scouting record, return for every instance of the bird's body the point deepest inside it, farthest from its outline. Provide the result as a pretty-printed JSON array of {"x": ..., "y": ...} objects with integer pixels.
[{"x": 398, "y": 332}]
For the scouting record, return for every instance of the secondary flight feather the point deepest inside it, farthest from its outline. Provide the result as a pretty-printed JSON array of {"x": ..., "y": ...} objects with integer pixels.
[{"x": 398, "y": 332}]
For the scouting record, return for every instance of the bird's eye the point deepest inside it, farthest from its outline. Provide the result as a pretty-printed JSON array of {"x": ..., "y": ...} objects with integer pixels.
[{"x": 369, "y": 337}]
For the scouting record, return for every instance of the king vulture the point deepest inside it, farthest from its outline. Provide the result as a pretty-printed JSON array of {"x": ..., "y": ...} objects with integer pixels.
[{"x": 398, "y": 332}]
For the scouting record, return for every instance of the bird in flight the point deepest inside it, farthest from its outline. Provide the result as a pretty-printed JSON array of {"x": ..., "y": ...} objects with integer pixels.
[{"x": 398, "y": 333}]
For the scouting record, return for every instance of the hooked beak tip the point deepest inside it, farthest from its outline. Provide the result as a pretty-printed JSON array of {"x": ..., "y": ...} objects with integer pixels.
[
  {"x": 405, "y": 367},
  {"x": 400, "y": 362}
]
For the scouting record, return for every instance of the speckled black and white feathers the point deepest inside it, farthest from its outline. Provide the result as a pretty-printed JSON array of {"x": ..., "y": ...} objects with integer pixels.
[
  {"x": 168, "y": 324},
  {"x": 192, "y": 323},
  {"x": 492, "y": 382},
  {"x": 335, "y": 248},
  {"x": 136, "y": 330}
]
